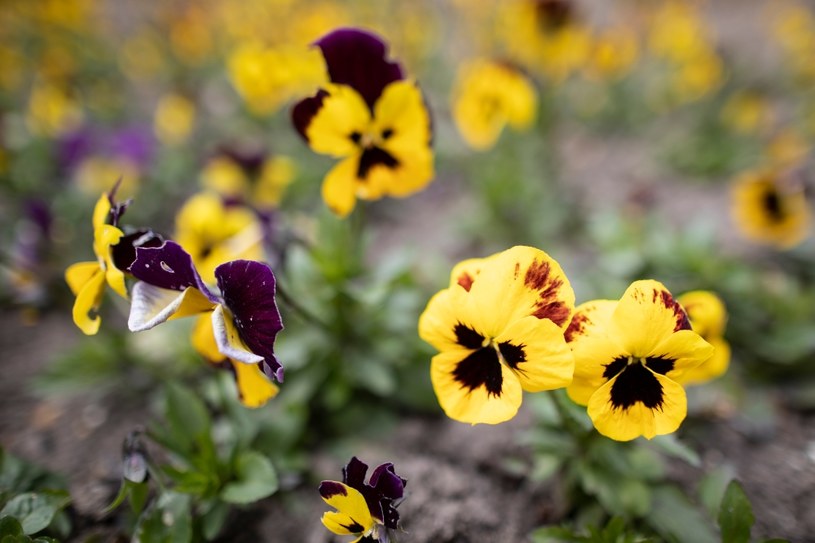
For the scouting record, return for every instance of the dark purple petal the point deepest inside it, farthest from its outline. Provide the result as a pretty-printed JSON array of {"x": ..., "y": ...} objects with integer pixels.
[
  {"x": 74, "y": 148},
  {"x": 357, "y": 58},
  {"x": 169, "y": 267},
  {"x": 387, "y": 483},
  {"x": 353, "y": 474},
  {"x": 135, "y": 143},
  {"x": 329, "y": 489},
  {"x": 248, "y": 290},
  {"x": 124, "y": 252},
  {"x": 305, "y": 110}
]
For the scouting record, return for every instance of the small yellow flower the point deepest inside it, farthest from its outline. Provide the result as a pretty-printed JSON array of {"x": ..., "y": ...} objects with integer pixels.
[
  {"x": 771, "y": 208},
  {"x": 629, "y": 356},
  {"x": 488, "y": 95},
  {"x": 174, "y": 119},
  {"x": 708, "y": 317},
  {"x": 52, "y": 111}
]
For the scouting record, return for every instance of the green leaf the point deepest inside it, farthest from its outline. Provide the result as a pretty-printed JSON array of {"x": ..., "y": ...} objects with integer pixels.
[
  {"x": 186, "y": 413},
  {"x": 168, "y": 521},
  {"x": 671, "y": 446},
  {"x": 256, "y": 479},
  {"x": 35, "y": 510},
  {"x": 10, "y": 526},
  {"x": 712, "y": 487},
  {"x": 677, "y": 519},
  {"x": 213, "y": 520},
  {"x": 736, "y": 515}
]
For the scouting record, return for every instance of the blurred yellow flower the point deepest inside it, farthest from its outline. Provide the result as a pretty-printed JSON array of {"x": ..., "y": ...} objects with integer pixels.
[
  {"x": 142, "y": 56},
  {"x": 708, "y": 317},
  {"x": 191, "y": 35},
  {"x": 747, "y": 112},
  {"x": 266, "y": 78},
  {"x": 794, "y": 28},
  {"x": 52, "y": 111},
  {"x": 488, "y": 95},
  {"x": 213, "y": 233},
  {"x": 787, "y": 149},
  {"x": 95, "y": 172},
  {"x": 771, "y": 208},
  {"x": 174, "y": 119},
  {"x": 263, "y": 189},
  {"x": 614, "y": 52}
]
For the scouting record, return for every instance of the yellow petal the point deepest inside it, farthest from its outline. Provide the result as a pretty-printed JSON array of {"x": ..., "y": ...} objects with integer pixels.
[
  {"x": 104, "y": 237},
  {"x": 478, "y": 405},
  {"x": 645, "y": 316},
  {"x": 101, "y": 211},
  {"x": 706, "y": 312},
  {"x": 88, "y": 301},
  {"x": 152, "y": 305},
  {"x": 438, "y": 321},
  {"x": 77, "y": 275},
  {"x": 714, "y": 367},
  {"x": 254, "y": 387},
  {"x": 625, "y": 424},
  {"x": 466, "y": 271},
  {"x": 401, "y": 110},
  {"x": 519, "y": 282},
  {"x": 203, "y": 339},
  {"x": 340, "y": 187},
  {"x": 547, "y": 361},
  {"x": 352, "y": 509},
  {"x": 342, "y": 112},
  {"x": 229, "y": 340},
  {"x": 686, "y": 349}
]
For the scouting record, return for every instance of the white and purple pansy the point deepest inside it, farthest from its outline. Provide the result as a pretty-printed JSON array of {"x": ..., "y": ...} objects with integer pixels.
[{"x": 245, "y": 318}]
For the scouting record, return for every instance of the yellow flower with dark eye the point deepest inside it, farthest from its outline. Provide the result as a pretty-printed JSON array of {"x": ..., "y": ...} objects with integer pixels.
[
  {"x": 629, "y": 355},
  {"x": 370, "y": 117},
  {"x": 87, "y": 280},
  {"x": 771, "y": 208},
  {"x": 213, "y": 233},
  {"x": 708, "y": 317},
  {"x": 487, "y": 96},
  {"x": 499, "y": 329},
  {"x": 253, "y": 178}
]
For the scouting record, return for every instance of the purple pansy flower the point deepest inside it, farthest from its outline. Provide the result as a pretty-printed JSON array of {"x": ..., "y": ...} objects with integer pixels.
[{"x": 245, "y": 318}]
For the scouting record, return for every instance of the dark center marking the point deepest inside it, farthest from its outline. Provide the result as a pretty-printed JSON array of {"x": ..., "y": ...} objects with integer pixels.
[
  {"x": 480, "y": 368},
  {"x": 373, "y": 156}
]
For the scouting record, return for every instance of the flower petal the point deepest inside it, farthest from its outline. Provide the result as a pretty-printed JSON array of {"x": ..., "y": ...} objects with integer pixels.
[
  {"x": 88, "y": 299},
  {"x": 352, "y": 516},
  {"x": 254, "y": 387},
  {"x": 203, "y": 340},
  {"x": 169, "y": 267},
  {"x": 714, "y": 367},
  {"x": 686, "y": 349},
  {"x": 536, "y": 350},
  {"x": 152, "y": 305},
  {"x": 340, "y": 187},
  {"x": 519, "y": 282},
  {"x": 357, "y": 58},
  {"x": 104, "y": 238},
  {"x": 101, "y": 211},
  {"x": 440, "y": 323},
  {"x": 341, "y": 113},
  {"x": 645, "y": 316},
  {"x": 638, "y": 419},
  {"x": 475, "y": 388},
  {"x": 248, "y": 289},
  {"x": 465, "y": 272},
  {"x": 228, "y": 339},
  {"x": 77, "y": 275}
]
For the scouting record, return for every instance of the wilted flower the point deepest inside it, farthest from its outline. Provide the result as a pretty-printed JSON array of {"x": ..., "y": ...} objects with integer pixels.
[
  {"x": 708, "y": 317},
  {"x": 369, "y": 116},
  {"x": 114, "y": 252},
  {"x": 487, "y": 96},
  {"x": 629, "y": 355},
  {"x": 499, "y": 327},
  {"x": 771, "y": 208},
  {"x": 243, "y": 316},
  {"x": 363, "y": 509}
]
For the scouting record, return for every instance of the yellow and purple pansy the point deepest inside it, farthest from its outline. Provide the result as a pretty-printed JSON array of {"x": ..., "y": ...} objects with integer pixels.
[
  {"x": 630, "y": 356},
  {"x": 114, "y": 251},
  {"x": 369, "y": 116},
  {"x": 499, "y": 329},
  {"x": 363, "y": 509},
  {"x": 242, "y": 319}
]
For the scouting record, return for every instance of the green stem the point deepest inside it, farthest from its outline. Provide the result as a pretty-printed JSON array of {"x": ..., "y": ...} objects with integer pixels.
[{"x": 307, "y": 315}]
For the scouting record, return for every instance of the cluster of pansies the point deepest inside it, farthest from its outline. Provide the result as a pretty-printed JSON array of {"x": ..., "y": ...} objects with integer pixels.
[{"x": 508, "y": 323}]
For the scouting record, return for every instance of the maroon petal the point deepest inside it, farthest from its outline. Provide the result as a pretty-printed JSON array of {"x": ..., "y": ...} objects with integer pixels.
[
  {"x": 353, "y": 474},
  {"x": 248, "y": 290},
  {"x": 358, "y": 59},
  {"x": 170, "y": 267},
  {"x": 387, "y": 483},
  {"x": 305, "y": 110},
  {"x": 329, "y": 489},
  {"x": 124, "y": 252}
]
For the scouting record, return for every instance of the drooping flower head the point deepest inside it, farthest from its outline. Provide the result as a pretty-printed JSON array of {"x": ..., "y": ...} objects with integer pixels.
[
  {"x": 243, "y": 320},
  {"x": 363, "y": 509},
  {"x": 499, "y": 329},
  {"x": 629, "y": 355},
  {"x": 114, "y": 252},
  {"x": 489, "y": 95},
  {"x": 708, "y": 317},
  {"x": 369, "y": 116},
  {"x": 771, "y": 208}
]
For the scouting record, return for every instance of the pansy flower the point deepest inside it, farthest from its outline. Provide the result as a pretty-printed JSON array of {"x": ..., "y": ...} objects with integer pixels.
[
  {"x": 213, "y": 232},
  {"x": 369, "y": 116},
  {"x": 499, "y": 329},
  {"x": 629, "y": 356},
  {"x": 708, "y": 317},
  {"x": 363, "y": 509},
  {"x": 114, "y": 253},
  {"x": 771, "y": 208},
  {"x": 489, "y": 95},
  {"x": 242, "y": 319}
]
